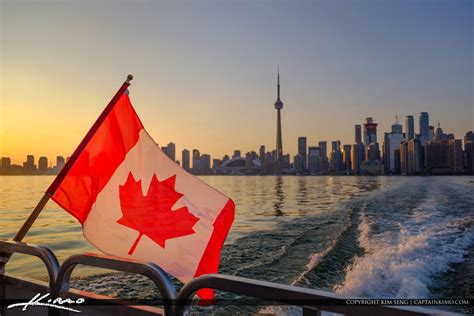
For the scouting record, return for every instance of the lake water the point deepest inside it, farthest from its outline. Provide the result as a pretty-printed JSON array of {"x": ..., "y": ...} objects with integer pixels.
[{"x": 381, "y": 237}]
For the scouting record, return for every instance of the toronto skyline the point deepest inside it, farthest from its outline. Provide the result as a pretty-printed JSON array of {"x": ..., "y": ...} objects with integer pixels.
[{"x": 205, "y": 72}]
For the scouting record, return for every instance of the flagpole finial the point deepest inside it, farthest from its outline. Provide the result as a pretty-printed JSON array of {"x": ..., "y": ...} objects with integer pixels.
[{"x": 129, "y": 78}]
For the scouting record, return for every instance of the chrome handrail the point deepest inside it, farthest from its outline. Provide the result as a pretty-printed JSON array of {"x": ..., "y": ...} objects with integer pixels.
[
  {"x": 150, "y": 270},
  {"x": 43, "y": 253},
  {"x": 290, "y": 295}
]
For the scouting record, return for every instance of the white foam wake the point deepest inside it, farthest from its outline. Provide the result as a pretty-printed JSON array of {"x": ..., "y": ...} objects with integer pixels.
[{"x": 402, "y": 263}]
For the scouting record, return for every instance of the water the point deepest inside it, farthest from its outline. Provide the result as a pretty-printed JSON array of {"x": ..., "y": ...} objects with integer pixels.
[{"x": 383, "y": 237}]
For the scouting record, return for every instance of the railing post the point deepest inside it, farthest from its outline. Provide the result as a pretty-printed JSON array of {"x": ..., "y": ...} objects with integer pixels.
[{"x": 150, "y": 270}]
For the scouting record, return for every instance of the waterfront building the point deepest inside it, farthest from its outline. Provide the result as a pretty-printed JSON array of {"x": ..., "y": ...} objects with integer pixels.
[
  {"x": 323, "y": 145},
  {"x": 411, "y": 157},
  {"x": 431, "y": 134},
  {"x": 396, "y": 158},
  {"x": 314, "y": 150},
  {"x": 6, "y": 163},
  {"x": 302, "y": 152},
  {"x": 469, "y": 152},
  {"x": 397, "y": 128},
  {"x": 404, "y": 158},
  {"x": 455, "y": 156},
  {"x": 347, "y": 164},
  {"x": 314, "y": 158},
  {"x": 357, "y": 156},
  {"x": 358, "y": 134},
  {"x": 370, "y": 131},
  {"x": 196, "y": 160},
  {"x": 299, "y": 162},
  {"x": 469, "y": 137},
  {"x": 171, "y": 151},
  {"x": 392, "y": 143},
  {"x": 279, "y": 143},
  {"x": 270, "y": 159},
  {"x": 216, "y": 164},
  {"x": 313, "y": 164},
  {"x": 29, "y": 165},
  {"x": 236, "y": 154},
  {"x": 439, "y": 134},
  {"x": 59, "y": 163},
  {"x": 263, "y": 160},
  {"x": 409, "y": 128},
  {"x": 237, "y": 166},
  {"x": 371, "y": 167},
  {"x": 335, "y": 161},
  {"x": 373, "y": 152},
  {"x": 43, "y": 165},
  {"x": 250, "y": 157},
  {"x": 185, "y": 159},
  {"x": 205, "y": 164},
  {"x": 437, "y": 153},
  {"x": 424, "y": 128}
]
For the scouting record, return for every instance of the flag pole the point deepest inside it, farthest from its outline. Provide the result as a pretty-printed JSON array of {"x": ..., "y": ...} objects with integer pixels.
[{"x": 62, "y": 174}]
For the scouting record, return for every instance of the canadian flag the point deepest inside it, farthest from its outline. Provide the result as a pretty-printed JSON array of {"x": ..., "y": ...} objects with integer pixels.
[{"x": 135, "y": 202}]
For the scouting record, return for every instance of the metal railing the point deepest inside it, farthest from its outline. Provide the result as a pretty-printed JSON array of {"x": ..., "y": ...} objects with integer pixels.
[
  {"x": 310, "y": 300},
  {"x": 150, "y": 270},
  {"x": 43, "y": 253}
]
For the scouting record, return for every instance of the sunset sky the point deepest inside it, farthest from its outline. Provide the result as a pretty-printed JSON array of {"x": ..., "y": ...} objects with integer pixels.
[{"x": 205, "y": 71}]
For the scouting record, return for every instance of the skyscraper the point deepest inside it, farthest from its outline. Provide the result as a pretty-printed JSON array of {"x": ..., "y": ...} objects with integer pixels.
[
  {"x": 357, "y": 156},
  {"x": 324, "y": 163},
  {"x": 347, "y": 158},
  {"x": 205, "y": 164},
  {"x": 185, "y": 159},
  {"x": 370, "y": 132},
  {"x": 302, "y": 152},
  {"x": 43, "y": 164},
  {"x": 469, "y": 150},
  {"x": 59, "y": 163},
  {"x": 358, "y": 134},
  {"x": 424, "y": 128},
  {"x": 391, "y": 147},
  {"x": 263, "y": 160},
  {"x": 314, "y": 158},
  {"x": 171, "y": 151},
  {"x": 196, "y": 158},
  {"x": 324, "y": 148},
  {"x": 397, "y": 128},
  {"x": 279, "y": 145},
  {"x": 29, "y": 164},
  {"x": 409, "y": 128}
]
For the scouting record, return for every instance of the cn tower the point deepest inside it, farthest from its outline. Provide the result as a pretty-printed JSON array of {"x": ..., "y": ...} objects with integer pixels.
[{"x": 279, "y": 145}]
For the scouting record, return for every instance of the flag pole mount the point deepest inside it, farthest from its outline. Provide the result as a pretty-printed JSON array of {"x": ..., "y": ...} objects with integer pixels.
[{"x": 129, "y": 78}]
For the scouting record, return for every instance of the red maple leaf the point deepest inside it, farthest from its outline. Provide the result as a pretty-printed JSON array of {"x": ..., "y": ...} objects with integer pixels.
[{"x": 152, "y": 215}]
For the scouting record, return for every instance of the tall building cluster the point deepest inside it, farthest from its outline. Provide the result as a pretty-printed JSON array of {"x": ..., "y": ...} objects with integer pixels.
[
  {"x": 29, "y": 167},
  {"x": 403, "y": 151}
]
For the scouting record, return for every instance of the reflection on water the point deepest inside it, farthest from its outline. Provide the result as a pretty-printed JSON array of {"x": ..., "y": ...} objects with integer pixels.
[
  {"x": 279, "y": 197},
  {"x": 363, "y": 236}
]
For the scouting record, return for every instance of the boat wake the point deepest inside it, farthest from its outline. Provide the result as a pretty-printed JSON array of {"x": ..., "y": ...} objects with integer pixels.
[{"x": 402, "y": 262}]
